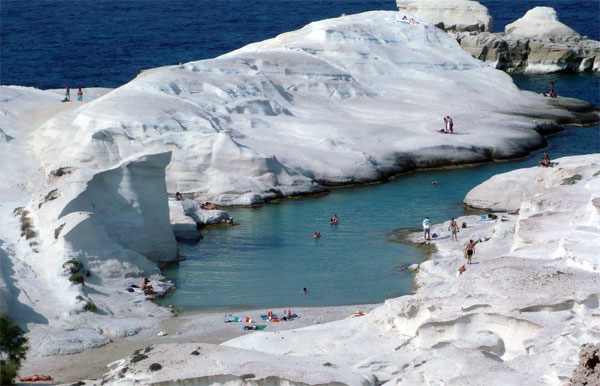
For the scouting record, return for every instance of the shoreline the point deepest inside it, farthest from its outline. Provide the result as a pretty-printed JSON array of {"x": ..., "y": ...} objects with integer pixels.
[
  {"x": 198, "y": 327},
  {"x": 330, "y": 186}
]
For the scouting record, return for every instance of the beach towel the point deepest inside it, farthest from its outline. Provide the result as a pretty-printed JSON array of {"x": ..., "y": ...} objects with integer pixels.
[{"x": 37, "y": 378}]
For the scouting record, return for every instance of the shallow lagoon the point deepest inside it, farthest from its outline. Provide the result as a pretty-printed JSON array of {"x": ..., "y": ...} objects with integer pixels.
[{"x": 271, "y": 255}]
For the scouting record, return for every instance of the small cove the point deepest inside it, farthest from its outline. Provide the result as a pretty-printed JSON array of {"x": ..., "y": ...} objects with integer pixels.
[{"x": 271, "y": 255}]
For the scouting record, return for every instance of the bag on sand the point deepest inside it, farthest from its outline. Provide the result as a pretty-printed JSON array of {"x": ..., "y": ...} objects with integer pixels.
[{"x": 465, "y": 254}]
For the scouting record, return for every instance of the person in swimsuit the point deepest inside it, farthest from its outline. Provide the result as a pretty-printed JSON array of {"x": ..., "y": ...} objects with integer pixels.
[
  {"x": 426, "y": 229},
  {"x": 80, "y": 95},
  {"x": 453, "y": 228},
  {"x": 470, "y": 250},
  {"x": 335, "y": 219},
  {"x": 68, "y": 94},
  {"x": 552, "y": 93},
  {"x": 450, "y": 125},
  {"x": 317, "y": 235}
]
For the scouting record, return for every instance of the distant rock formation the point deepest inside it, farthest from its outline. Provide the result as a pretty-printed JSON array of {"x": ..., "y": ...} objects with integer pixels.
[
  {"x": 450, "y": 15},
  {"x": 532, "y": 55},
  {"x": 541, "y": 23},
  {"x": 536, "y": 43}
]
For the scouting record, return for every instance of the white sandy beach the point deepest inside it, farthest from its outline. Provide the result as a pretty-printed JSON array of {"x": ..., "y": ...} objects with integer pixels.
[{"x": 205, "y": 327}]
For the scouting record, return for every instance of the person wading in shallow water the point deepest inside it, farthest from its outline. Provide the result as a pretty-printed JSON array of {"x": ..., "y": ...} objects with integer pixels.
[{"x": 470, "y": 251}]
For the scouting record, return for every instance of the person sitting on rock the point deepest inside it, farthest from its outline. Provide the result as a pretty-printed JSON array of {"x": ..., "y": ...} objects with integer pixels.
[
  {"x": 179, "y": 197},
  {"x": 461, "y": 269},
  {"x": 545, "y": 162},
  {"x": 146, "y": 288}
]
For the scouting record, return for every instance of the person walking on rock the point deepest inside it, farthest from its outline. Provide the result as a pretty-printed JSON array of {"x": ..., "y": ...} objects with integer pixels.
[
  {"x": 453, "y": 228},
  {"x": 470, "y": 251},
  {"x": 426, "y": 229}
]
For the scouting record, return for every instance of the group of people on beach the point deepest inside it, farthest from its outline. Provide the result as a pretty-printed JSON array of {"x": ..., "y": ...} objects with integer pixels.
[
  {"x": 68, "y": 95},
  {"x": 453, "y": 227}
]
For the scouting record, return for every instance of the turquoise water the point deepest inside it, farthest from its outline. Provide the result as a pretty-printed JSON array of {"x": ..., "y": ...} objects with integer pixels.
[{"x": 267, "y": 259}]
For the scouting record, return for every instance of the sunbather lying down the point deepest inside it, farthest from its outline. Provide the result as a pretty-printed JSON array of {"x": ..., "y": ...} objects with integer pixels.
[{"x": 208, "y": 206}]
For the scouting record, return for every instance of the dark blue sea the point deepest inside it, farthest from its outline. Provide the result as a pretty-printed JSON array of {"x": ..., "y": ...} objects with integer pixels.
[
  {"x": 99, "y": 43},
  {"x": 270, "y": 256}
]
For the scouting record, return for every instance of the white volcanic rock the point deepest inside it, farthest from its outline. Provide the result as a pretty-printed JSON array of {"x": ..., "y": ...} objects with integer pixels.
[
  {"x": 518, "y": 315},
  {"x": 536, "y": 43},
  {"x": 347, "y": 100},
  {"x": 192, "y": 208},
  {"x": 509, "y": 190},
  {"x": 539, "y": 22},
  {"x": 449, "y": 15},
  {"x": 184, "y": 226}
]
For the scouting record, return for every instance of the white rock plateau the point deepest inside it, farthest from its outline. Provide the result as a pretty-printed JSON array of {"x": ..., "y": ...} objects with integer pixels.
[{"x": 517, "y": 316}]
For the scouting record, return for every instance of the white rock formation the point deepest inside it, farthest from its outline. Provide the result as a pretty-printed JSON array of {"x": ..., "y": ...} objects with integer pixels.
[
  {"x": 340, "y": 101},
  {"x": 184, "y": 226},
  {"x": 353, "y": 99},
  {"x": 539, "y": 22},
  {"x": 535, "y": 43},
  {"x": 449, "y": 15},
  {"x": 513, "y": 188},
  {"x": 519, "y": 315}
]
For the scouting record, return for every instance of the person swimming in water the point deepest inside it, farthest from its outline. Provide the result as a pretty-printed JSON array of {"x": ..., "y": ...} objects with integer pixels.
[{"x": 317, "y": 235}]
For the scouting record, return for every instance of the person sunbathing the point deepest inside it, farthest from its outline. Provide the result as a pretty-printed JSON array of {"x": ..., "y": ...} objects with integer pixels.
[
  {"x": 208, "y": 206},
  {"x": 545, "y": 162}
]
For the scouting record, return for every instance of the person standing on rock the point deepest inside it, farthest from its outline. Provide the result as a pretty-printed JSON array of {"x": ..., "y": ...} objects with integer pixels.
[
  {"x": 426, "y": 229},
  {"x": 80, "y": 95},
  {"x": 450, "y": 125},
  {"x": 552, "y": 93},
  {"x": 470, "y": 251},
  {"x": 68, "y": 94},
  {"x": 453, "y": 228}
]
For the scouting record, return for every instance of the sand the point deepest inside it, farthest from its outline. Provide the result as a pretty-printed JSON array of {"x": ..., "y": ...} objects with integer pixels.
[{"x": 197, "y": 327}]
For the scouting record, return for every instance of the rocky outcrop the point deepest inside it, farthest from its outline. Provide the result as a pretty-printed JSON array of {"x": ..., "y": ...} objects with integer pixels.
[
  {"x": 587, "y": 371},
  {"x": 539, "y": 22},
  {"x": 532, "y": 54},
  {"x": 449, "y": 15},
  {"x": 535, "y": 43}
]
